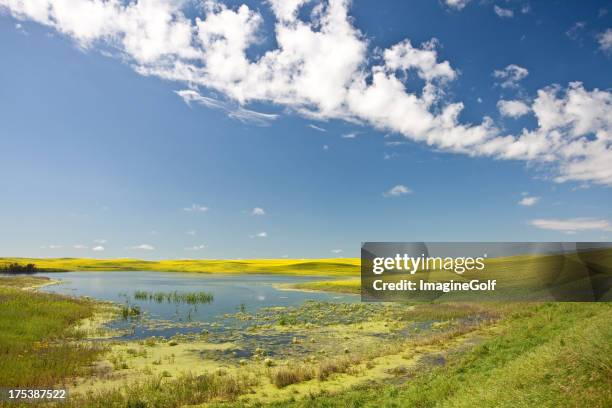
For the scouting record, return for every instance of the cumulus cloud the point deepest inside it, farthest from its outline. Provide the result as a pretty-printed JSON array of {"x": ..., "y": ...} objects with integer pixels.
[
  {"x": 513, "y": 109},
  {"x": 510, "y": 76},
  {"x": 321, "y": 67},
  {"x": 456, "y": 4},
  {"x": 196, "y": 208},
  {"x": 605, "y": 41},
  {"x": 502, "y": 12},
  {"x": 396, "y": 191},
  {"x": 258, "y": 211},
  {"x": 573, "y": 224},
  {"x": 143, "y": 247},
  {"x": 98, "y": 248},
  {"x": 528, "y": 200}
]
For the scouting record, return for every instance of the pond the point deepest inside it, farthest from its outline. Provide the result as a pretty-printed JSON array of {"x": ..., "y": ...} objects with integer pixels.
[{"x": 230, "y": 294}]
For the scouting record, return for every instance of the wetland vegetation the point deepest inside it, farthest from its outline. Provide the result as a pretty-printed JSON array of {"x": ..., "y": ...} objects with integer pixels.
[
  {"x": 191, "y": 298},
  {"x": 279, "y": 351}
]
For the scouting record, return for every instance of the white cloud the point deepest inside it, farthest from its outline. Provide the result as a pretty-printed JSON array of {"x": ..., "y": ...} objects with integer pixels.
[
  {"x": 502, "y": 12},
  {"x": 98, "y": 248},
  {"x": 143, "y": 247},
  {"x": 52, "y": 246},
  {"x": 351, "y": 135},
  {"x": 100, "y": 241},
  {"x": 573, "y": 224},
  {"x": 396, "y": 191},
  {"x": 605, "y": 41},
  {"x": 456, "y": 4},
  {"x": 315, "y": 127},
  {"x": 575, "y": 31},
  {"x": 191, "y": 232},
  {"x": 258, "y": 211},
  {"x": 336, "y": 251},
  {"x": 236, "y": 112},
  {"x": 510, "y": 76},
  {"x": 325, "y": 147},
  {"x": 513, "y": 109},
  {"x": 80, "y": 246},
  {"x": 196, "y": 208},
  {"x": 260, "y": 235},
  {"x": 196, "y": 247},
  {"x": 528, "y": 201},
  {"x": 322, "y": 68}
]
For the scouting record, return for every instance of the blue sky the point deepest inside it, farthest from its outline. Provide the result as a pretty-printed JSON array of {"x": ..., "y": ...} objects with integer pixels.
[{"x": 97, "y": 155}]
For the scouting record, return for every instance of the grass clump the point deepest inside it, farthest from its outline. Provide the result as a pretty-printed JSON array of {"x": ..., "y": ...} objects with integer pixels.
[
  {"x": 163, "y": 391},
  {"x": 291, "y": 374},
  {"x": 191, "y": 298}
]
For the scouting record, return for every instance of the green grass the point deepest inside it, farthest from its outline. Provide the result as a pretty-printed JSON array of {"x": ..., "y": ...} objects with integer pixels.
[
  {"x": 351, "y": 286},
  {"x": 38, "y": 346},
  {"x": 547, "y": 355},
  {"x": 320, "y": 267}
]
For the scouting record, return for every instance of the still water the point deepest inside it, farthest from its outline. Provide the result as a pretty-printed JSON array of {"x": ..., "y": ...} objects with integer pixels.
[{"x": 231, "y": 293}]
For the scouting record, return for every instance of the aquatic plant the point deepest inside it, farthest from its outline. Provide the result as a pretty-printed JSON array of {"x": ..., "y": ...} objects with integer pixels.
[{"x": 192, "y": 298}]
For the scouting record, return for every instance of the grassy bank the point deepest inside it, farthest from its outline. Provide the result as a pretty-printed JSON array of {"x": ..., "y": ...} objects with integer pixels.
[
  {"x": 38, "y": 343},
  {"x": 349, "y": 286},
  {"x": 556, "y": 354},
  {"x": 320, "y": 267}
]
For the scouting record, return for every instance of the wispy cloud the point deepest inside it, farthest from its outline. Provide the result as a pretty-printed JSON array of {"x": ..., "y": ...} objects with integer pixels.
[
  {"x": 258, "y": 211},
  {"x": 232, "y": 110},
  {"x": 142, "y": 247},
  {"x": 336, "y": 251},
  {"x": 351, "y": 135},
  {"x": 98, "y": 248},
  {"x": 396, "y": 191},
  {"x": 262, "y": 234},
  {"x": 196, "y": 247},
  {"x": 52, "y": 246},
  {"x": 196, "y": 208},
  {"x": 605, "y": 41},
  {"x": 191, "y": 232},
  {"x": 80, "y": 246},
  {"x": 315, "y": 127},
  {"x": 100, "y": 241},
  {"x": 572, "y": 224}
]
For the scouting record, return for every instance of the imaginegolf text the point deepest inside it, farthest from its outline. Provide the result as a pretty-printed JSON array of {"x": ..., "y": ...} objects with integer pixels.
[{"x": 450, "y": 286}]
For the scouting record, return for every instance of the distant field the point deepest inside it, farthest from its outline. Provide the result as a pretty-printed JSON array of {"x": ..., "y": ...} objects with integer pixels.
[{"x": 319, "y": 267}]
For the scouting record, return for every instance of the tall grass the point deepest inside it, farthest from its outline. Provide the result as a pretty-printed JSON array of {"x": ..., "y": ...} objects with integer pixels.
[
  {"x": 38, "y": 346},
  {"x": 192, "y": 298},
  {"x": 158, "y": 392}
]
